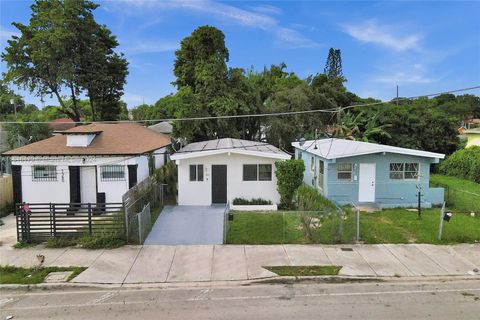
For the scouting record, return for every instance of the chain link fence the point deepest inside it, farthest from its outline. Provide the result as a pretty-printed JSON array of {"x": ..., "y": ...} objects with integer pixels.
[
  {"x": 142, "y": 205},
  {"x": 308, "y": 227},
  {"x": 461, "y": 201}
]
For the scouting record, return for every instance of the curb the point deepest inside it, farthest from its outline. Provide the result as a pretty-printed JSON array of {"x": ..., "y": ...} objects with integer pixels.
[{"x": 265, "y": 281}]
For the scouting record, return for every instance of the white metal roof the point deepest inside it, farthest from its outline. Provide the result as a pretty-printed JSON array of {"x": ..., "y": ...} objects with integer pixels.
[
  {"x": 341, "y": 148},
  {"x": 229, "y": 145}
]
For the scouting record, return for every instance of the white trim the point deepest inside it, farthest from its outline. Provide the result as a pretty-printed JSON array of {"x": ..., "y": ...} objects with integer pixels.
[
  {"x": 197, "y": 154},
  {"x": 379, "y": 148}
]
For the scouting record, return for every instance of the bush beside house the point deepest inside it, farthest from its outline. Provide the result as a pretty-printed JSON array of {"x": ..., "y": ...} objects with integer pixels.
[
  {"x": 464, "y": 164},
  {"x": 289, "y": 177}
]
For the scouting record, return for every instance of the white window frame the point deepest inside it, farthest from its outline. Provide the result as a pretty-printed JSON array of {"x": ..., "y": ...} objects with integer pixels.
[
  {"x": 258, "y": 171},
  {"x": 402, "y": 171},
  {"x": 345, "y": 171},
  {"x": 312, "y": 164},
  {"x": 197, "y": 170}
]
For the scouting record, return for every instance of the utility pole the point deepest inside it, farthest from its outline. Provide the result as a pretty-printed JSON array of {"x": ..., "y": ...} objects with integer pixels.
[
  {"x": 440, "y": 228},
  {"x": 397, "y": 95},
  {"x": 12, "y": 102}
]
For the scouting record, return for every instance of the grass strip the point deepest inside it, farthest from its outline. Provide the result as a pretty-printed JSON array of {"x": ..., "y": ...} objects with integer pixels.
[
  {"x": 303, "y": 271},
  {"x": 17, "y": 275}
]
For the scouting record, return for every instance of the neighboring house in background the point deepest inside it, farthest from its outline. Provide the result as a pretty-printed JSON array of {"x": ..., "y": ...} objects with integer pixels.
[
  {"x": 473, "y": 137},
  {"x": 218, "y": 171},
  {"x": 62, "y": 124},
  {"x": 164, "y": 127},
  {"x": 356, "y": 172},
  {"x": 95, "y": 163}
]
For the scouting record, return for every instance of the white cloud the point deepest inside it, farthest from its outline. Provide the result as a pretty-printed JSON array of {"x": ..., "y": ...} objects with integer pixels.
[
  {"x": 414, "y": 75},
  {"x": 258, "y": 18},
  {"x": 267, "y": 9},
  {"x": 133, "y": 100},
  {"x": 372, "y": 32},
  {"x": 7, "y": 34},
  {"x": 151, "y": 47}
]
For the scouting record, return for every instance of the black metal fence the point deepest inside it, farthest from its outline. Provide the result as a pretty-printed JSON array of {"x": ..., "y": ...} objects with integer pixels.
[{"x": 37, "y": 222}]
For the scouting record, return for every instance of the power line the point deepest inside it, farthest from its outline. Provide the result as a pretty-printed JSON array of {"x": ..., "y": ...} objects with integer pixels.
[{"x": 331, "y": 110}]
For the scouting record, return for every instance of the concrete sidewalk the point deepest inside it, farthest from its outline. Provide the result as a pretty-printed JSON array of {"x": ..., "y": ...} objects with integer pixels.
[{"x": 158, "y": 264}]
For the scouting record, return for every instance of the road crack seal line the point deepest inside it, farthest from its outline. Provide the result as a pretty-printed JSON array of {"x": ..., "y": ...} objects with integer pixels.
[
  {"x": 202, "y": 295},
  {"x": 104, "y": 297}
]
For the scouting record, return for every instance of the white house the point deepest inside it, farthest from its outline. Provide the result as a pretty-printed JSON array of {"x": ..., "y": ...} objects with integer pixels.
[
  {"x": 218, "y": 171},
  {"x": 95, "y": 163}
]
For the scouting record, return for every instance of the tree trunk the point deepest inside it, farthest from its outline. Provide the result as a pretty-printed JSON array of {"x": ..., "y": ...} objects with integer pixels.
[{"x": 92, "y": 105}]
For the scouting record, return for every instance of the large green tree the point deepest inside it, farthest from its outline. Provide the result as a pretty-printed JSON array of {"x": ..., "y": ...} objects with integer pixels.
[{"x": 64, "y": 52}]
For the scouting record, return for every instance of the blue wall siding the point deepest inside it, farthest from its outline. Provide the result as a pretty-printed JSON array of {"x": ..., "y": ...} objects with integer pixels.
[{"x": 388, "y": 193}]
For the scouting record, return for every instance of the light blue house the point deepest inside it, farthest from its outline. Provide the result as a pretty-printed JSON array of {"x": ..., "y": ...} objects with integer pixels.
[{"x": 357, "y": 172}]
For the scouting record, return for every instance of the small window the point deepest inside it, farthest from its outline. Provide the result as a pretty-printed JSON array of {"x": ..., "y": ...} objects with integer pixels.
[
  {"x": 265, "y": 172},
  {"x": 411, "y": 171},
  {"x": 312, "y": 164},
  {"x": 112, "y": 173},
  {"x": 44, "y": 173},
  {"x": 249, "y": 172},
  {"x": 344, "y": 171},
  {"x": 196, "y": 172},
  {"x": 299, "y": 154},
  {"x": 396, "y": 171}
]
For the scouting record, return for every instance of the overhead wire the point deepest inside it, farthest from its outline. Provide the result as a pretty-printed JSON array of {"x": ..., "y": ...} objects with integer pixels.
[{"x": 330, "y": 111}]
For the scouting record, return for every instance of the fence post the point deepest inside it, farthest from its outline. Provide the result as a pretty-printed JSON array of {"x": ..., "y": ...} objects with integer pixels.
[
  {"x": 440, "y": 228},
  {"x": 358, "y": 225},
  {"x": 126, "y": 219},
  {"x": 54, "y": 219},
  {"x": 90, "y": 218},
  {"x": 139, "y": 220}
]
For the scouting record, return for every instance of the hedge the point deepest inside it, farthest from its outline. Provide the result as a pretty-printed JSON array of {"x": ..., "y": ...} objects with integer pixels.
[{"x": 464, "y": 164}]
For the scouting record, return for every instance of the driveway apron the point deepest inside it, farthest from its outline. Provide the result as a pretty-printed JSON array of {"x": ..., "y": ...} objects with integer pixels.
[{"x": 188, "y": 225}]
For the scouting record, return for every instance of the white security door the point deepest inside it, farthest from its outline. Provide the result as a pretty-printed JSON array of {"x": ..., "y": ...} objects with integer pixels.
[
  {"x": 88, "y": 184},
  {"x": 366, "y": 183}
]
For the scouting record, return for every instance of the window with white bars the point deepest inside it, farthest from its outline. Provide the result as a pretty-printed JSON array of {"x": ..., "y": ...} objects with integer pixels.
[
  {"x": 404, "y": 171},
  {"x": 44, "y": 173},
  {"x": 112, "y": 173}
]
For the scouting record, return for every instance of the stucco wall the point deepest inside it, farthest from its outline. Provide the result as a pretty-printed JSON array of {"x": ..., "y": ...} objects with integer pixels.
[
  {"x": 388, "y": 193},
  {"x": 200, "y": 192},
  {"x": 59, "y": 191}
]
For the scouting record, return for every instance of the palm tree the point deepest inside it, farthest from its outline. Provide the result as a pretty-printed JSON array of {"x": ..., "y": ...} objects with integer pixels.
[{"x": 360, "y": 127}]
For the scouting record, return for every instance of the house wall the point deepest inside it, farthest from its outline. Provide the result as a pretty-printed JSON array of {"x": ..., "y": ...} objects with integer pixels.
[
  {"x": 473, "y": 139},
  {"x": 160, "y": 157},
  {"x": 59, "y": 191},
  {"x": 200, "y": 192},
  {"x": 388, "y": 193}
]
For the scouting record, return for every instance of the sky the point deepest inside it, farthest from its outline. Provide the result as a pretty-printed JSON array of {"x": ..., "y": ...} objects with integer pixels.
[{"x": 423, "y": 47}]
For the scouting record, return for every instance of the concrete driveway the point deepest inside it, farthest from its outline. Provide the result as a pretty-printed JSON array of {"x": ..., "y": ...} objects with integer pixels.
[{"x": 188, "y": 225}]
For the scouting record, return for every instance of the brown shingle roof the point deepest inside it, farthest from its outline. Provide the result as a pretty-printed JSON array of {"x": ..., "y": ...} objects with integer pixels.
[
  {"x": 114, "y": 139},
  {"x": 62, "y": 124}
]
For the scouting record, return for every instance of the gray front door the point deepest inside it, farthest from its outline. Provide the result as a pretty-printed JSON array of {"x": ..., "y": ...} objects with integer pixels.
[{"x": 219, "y": 184}]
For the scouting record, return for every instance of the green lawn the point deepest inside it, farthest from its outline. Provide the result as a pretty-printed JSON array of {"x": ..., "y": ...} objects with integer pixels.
[
  {"x": 16, "y": 275},
  {"x": 460, "y": 194},
  {"x": 299, "y": 271},
  {"x": 387, "y": 226}
]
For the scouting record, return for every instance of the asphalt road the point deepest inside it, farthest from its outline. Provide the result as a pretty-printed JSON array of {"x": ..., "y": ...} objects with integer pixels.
[{"x": 414, "y": 300}]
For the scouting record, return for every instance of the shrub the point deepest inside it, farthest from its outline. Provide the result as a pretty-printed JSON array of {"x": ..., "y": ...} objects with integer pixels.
[
  {"x": 101, "y": 241},
  {"x": 167, "y": 174},
  {"x": 259, "y": 201},
  {"x": 464, "y": 164},
  {"x": 309, "y": 199},
  {"x": 289, "y": 175},
  {"x": 60, "y": 242}
]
